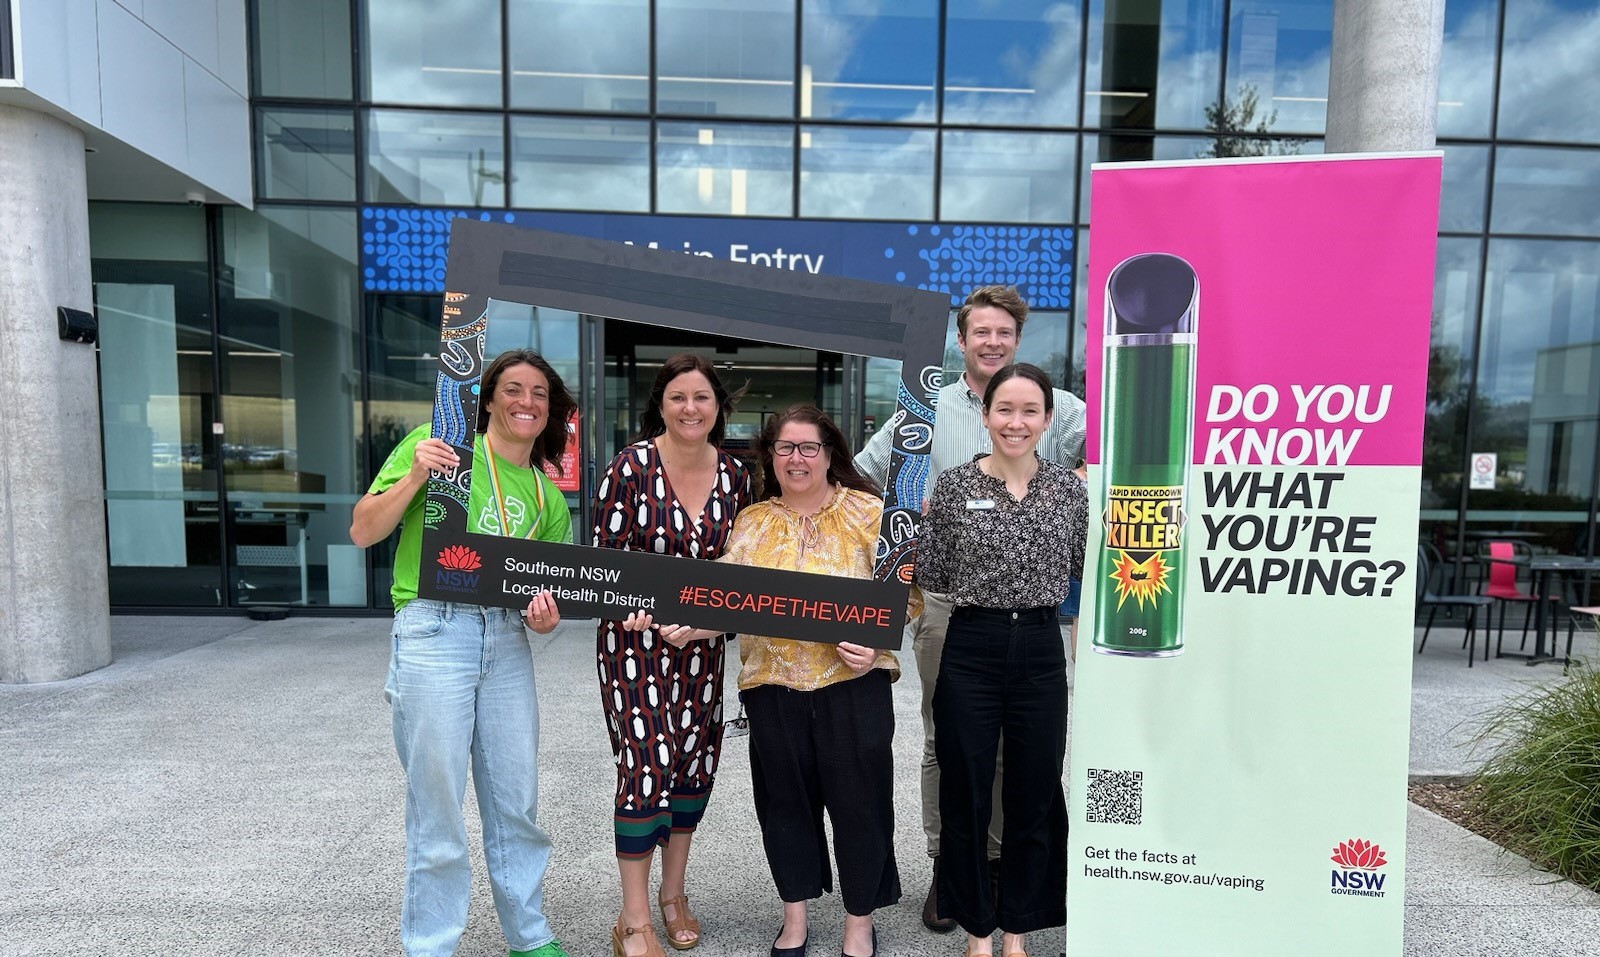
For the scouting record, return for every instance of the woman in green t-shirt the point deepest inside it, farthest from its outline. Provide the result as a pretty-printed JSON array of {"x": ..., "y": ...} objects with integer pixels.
[{"x": 461, "y": 683}]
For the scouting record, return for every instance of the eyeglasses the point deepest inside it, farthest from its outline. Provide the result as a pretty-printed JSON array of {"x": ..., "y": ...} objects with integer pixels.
[{"x": 807, "y": 450}]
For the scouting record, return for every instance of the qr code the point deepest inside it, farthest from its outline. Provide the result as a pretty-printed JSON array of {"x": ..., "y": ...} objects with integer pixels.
[{"x": 1115, "y": 797}]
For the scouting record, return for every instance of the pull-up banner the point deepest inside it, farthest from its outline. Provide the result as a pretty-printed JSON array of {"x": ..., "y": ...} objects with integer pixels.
[{"x": 1257, "y": 365}]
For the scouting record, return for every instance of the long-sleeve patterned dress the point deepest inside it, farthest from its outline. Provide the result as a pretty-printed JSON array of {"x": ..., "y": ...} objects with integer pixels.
[{"x": 663, "y": 705}]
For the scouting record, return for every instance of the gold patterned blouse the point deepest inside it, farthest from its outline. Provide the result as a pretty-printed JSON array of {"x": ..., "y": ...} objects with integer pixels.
[{"x": 769, "y": 534}]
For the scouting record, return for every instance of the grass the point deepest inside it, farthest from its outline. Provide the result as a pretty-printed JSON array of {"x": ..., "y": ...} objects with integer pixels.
[{"x": 1541, "y": 786}]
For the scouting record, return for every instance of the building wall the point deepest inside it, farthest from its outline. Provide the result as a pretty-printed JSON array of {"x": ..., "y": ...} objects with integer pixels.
[{"x": 165, "y": 79}]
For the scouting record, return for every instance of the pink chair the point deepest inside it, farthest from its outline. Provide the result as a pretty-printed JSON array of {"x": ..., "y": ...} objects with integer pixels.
[{"x": 1504, "y": 589}]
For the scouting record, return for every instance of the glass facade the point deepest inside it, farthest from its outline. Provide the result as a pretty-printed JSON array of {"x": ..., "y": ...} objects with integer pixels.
[{"x": 253, "y": 374}]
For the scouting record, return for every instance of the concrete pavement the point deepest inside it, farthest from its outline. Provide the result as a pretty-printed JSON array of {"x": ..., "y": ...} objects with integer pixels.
[{"x": 230, "y": 787}]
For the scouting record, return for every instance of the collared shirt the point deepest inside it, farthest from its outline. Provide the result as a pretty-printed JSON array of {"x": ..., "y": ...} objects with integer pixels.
[
  {"x": 958, "y": 435},
  {"x": 983, "y": 547}
]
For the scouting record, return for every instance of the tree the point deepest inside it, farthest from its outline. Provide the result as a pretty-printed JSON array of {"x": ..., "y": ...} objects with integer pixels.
[{"x": 1238, "y": 128}]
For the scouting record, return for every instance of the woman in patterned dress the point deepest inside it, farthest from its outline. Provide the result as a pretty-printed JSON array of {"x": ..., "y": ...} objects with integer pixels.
[
  {"x": 673, "y": 492},
  {"x": 821, "y": 715}
]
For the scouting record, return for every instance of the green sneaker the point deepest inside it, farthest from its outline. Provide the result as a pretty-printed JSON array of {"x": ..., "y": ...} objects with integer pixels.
[{"x": 552, "y": 949}]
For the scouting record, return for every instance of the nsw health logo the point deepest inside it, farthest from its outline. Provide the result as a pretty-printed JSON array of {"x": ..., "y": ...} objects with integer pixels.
[
  {"x": 458, "y": 570},
  {"x": 1357, "y": 872}
]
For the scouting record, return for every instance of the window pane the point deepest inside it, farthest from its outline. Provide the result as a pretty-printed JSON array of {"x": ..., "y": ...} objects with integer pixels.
[
  {"x": 866, "y": 173},
  {"x": 1466, "y": 178},
  {"x": 1152, "y": 63},
  {"x": 1114, "y": 148},
  {"x": 1539, "y": 387},
  {"x": 1012, "y": 64},
  {"x": 1549, "y": 87},
  {"x": 1550, "y": 191},
  {"x": 303, "y": 48},
  {"x": 153, "y": 299},
  {"x": 725, "y": 57},
  {"x": 428, "y": 53},
  {"x": 291, "y": 405},
  {"x": 402, "y": 368},
  {"x": 1466, "y": 67},
  {"x": 867, "y": 60},
  {"x": 580, "y": 163},
  {"x": 1278, "y": 55},
  {"x": 591, "y": 55},
  {"x": 725, "y": 168},
  {"x": 435, "y": 159},
  {"x": 1450, "y": 364},
  {"x": 1008, "y": 177},
  {"x": 306, "y": 154},
  {"x": 1044, "y": 343}
]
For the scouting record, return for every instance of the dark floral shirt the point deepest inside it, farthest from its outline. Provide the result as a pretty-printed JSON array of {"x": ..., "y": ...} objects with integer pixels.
[{"x": 981, "y": 546}]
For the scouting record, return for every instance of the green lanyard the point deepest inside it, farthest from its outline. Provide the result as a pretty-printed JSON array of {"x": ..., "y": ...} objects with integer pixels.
[{"x": 499, "y": 499}]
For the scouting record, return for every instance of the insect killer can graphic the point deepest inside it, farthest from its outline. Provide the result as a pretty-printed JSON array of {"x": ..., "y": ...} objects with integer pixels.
[{"x": 1146, "y": 442}]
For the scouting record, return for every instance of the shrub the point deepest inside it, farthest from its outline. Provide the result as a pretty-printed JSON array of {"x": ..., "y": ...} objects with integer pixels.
[{"x": 1542, "y": 783}]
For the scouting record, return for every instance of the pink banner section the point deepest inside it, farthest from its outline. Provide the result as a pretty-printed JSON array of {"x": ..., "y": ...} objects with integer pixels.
[{"x": 1315, "y": 291}]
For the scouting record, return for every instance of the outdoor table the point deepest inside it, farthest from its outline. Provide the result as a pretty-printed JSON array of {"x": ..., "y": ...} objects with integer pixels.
[{"x": 1543, "y": 568}]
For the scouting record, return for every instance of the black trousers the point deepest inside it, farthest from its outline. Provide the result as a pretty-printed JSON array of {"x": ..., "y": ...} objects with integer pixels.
[
  {"x": 827, "y": 749},
  {"x": 1004, "y": 676}
]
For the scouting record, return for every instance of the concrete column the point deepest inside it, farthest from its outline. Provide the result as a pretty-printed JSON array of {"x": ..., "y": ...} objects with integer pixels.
[
  {"x": 1383, "y": 82},
  {"x": 54, "y": 604}
]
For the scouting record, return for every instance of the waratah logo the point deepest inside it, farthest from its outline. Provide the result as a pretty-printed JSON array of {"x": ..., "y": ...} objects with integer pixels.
[
  {"x": 1358, "y": 855},
  {"x": 459, "y": 558},
  {"x": 1355, "y": 873}
]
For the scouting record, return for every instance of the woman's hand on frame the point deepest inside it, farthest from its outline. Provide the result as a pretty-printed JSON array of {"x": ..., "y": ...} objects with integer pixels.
[
  {"x": 675, "y": 635},
  {"x": 542, "y": 615},
  {"x": 857, "y": 658}
]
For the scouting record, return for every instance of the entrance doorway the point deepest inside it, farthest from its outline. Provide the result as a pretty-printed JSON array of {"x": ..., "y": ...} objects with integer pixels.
[{"x": 773, "y": 377}]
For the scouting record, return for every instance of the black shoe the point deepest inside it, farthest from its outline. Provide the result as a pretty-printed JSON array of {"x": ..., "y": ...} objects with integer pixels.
[
  {"x": 874, "y": 946},
  {"x": 930, "y": 908},
  {"x": 792, "y": 951}
]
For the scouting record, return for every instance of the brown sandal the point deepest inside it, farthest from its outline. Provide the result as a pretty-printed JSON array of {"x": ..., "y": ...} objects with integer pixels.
[
  {"x": 652, "y": 946},
  {"x": 685, "y": 921}
]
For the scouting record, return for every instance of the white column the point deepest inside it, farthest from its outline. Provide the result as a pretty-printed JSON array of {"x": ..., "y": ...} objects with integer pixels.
[
  {"x": 1383, "y": 82},
  {"x": 54, "y": 605}
]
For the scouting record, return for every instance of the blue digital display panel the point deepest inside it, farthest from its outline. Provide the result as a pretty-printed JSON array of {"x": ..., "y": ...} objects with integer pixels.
[{"x": 403, "y": 248}]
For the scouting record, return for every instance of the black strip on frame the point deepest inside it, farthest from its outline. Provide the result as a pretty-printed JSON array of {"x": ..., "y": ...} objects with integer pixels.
[
  {"x": 655, "y": 290},
  {"x": 7, "y": 62}
]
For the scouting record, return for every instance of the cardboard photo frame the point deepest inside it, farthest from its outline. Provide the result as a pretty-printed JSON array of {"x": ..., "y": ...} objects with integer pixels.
[{"x": 489, "y": 261}]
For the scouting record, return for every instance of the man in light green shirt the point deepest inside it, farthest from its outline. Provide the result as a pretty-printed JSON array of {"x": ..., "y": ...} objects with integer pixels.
[{"x": 988, "y": 330}]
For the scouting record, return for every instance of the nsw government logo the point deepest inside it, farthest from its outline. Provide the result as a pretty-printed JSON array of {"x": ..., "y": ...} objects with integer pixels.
[
  {"x": 1357, "y": 872},
  {"x": 458, "y": 570}
]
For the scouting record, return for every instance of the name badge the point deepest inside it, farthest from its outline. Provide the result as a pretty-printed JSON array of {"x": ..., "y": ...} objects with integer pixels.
[{"x": 979, "y": 504}]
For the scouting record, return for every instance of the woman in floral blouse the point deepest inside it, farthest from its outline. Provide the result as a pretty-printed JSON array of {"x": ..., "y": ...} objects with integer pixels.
[
  {"x": 1003, "y": 536},
  {"x": 821, "y": 718}
]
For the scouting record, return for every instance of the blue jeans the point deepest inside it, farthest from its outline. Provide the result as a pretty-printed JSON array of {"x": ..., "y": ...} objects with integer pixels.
[{"x": 461, "y": 684}]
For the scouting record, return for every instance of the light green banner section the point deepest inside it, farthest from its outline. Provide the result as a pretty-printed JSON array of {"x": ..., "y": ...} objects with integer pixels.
[{"x": 1278, "y": 733}]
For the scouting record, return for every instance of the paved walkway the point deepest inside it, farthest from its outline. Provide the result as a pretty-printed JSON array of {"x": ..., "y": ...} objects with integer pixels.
[{"x": 230, "y": 788}]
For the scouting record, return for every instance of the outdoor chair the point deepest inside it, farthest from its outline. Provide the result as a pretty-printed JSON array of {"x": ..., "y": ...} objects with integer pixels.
[
  {"x": 1503, "y": 588},
  {"x": 1427, "y": 598},
  {"x": 1574, "y": 612}
]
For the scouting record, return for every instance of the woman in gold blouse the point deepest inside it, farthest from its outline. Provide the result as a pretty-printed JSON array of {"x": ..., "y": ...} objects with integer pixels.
[{"x": 821, "y": 718}]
